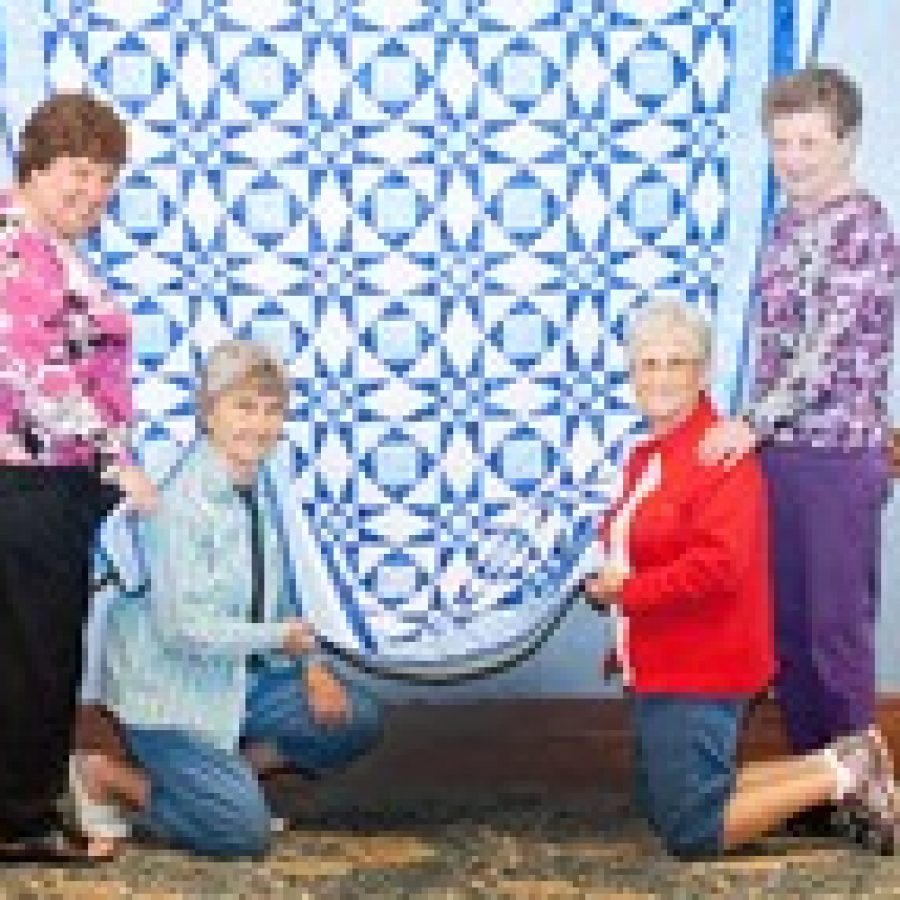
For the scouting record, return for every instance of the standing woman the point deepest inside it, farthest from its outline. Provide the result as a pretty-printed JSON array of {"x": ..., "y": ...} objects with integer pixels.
[
  {"x": 827, "y": 287},
  {"x": 64, "y": 413}
]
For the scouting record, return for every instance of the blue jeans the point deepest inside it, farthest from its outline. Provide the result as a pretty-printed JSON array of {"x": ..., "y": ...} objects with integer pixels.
[
  {"x": 685, "y": 767},
  {"x": 208, "y": 801}
]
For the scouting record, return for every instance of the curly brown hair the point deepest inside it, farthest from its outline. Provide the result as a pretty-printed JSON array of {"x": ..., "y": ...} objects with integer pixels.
[
  {"x": 815, "y": 88},
  {"x": 71, "y": 124}
]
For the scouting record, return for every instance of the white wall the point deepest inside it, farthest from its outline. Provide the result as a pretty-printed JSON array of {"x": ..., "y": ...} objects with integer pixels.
[{"x": 862, "y": 36}]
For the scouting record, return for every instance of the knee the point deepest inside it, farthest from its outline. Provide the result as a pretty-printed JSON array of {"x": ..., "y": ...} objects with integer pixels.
[
  {"x": 685, "y": 847},
  {"x": 247, "y": 834},
  {"x": 233, "y": 825},
  {"x": 689, "y": 832},
  {"x": 254, "y": 841},
  {"x": 686, "y": 809}
]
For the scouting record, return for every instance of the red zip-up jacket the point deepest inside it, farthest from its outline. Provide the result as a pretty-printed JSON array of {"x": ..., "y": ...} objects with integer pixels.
[{"x": 698, "y": 600}]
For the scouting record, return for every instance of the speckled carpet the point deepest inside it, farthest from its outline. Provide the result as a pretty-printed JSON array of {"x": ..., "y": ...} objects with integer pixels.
[{"x": 517, "y": 845}]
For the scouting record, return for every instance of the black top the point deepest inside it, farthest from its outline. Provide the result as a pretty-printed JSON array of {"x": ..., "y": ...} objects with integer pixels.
[{"x": 257, "y": 575}]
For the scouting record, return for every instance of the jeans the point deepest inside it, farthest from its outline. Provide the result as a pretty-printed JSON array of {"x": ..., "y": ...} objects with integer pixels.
[
  {"x": 206, "y": 800},
  {"x": 685, "y": 767}
]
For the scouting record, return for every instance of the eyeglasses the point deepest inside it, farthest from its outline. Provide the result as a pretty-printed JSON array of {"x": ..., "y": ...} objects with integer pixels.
[{"x": 677, "y": 365}]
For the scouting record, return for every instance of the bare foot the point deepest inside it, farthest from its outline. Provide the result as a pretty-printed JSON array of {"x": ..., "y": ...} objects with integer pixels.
[
  {"x": 96, "y": 774},
  {"x": 103, "y": 849},
  {"x": 104, "y": 788},
  {"x": 93, "y": 778},
  {"x": 111, "y": 781}
]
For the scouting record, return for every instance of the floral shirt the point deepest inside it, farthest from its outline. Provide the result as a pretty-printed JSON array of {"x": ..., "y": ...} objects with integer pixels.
[
  {"x": 65, "y": 396},
  {"x": 827, "y": 286}
]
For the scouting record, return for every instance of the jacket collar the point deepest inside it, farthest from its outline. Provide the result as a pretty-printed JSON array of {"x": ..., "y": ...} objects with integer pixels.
[
  {"x": 218, "y": 484},
  {"x": 685, "y": 436}
]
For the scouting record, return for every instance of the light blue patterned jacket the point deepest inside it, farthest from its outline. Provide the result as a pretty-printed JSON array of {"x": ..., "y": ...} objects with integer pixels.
[{"x": 176, "y": 657}]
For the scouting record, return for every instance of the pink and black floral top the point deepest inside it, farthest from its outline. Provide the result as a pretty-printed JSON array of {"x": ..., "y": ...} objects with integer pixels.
[{"x": 65, "y": 395}]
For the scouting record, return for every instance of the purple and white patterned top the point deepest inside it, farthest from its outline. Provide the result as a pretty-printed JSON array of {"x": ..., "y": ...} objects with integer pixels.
[
  {"x": 827, "y": 286},
  {"x": 65, "y": 393}
]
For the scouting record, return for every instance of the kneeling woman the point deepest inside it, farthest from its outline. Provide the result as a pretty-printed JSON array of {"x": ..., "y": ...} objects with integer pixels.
[
  {"x": 691, "y": 577},
  {"x": 210, "y": 676}
]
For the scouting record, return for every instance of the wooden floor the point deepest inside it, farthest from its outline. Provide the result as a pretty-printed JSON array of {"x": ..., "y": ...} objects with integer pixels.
[{"x": 548, "y": 743}]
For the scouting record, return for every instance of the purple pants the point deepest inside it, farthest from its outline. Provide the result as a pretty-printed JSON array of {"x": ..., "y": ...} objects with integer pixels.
[{"x": 825, "y": 508}]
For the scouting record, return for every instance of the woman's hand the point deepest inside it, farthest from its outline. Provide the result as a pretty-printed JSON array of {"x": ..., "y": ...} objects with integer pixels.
[
  {"x": 894, "y": 453},
  {"x": 604, "y": 587},
  {"x": 727, "y": 442},
  {"x": 140, "y": 492},
  {"x": 327, "y": 697},
  {"x": 299, "y": 639}
]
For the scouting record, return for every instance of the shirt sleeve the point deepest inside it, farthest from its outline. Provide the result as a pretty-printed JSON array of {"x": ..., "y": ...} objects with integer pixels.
[
  {"x": 718, "y": 550},
  {"x": 65, "y": 357},
  {"x": 191, "y": 603},
  {"x": 105, "y": 379},
  {"x": 855, "y": 283},
  {"x": 8, "y": 270}
]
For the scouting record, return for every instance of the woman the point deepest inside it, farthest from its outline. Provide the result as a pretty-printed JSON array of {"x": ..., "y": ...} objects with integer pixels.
[
  {"x": 64, "y": 412},
  {"x": 211, "y": 676},
  {"x": 827, "y": 286},
  {"x": 691, "y": 578}
]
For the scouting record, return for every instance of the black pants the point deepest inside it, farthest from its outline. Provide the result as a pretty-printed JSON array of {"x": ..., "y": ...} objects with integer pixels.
[{"x": 48, "y": 517}]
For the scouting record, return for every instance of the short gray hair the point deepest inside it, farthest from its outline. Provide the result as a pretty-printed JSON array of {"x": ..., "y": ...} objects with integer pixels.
[
  {"x": 236, "y": 363},
  {"x": 661, "y": 318}
]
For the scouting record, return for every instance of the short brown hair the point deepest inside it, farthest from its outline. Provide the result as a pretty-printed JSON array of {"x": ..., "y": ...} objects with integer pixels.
[
  {"x": 71, "y": 124},
  {"x": 822, "y": 88}
]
